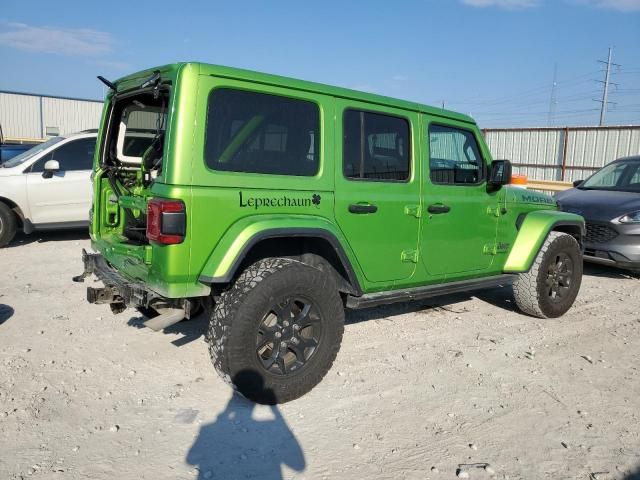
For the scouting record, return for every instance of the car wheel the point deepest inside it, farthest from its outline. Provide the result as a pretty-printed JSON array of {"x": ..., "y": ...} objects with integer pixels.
[
  {"x": 7, "y": 224},
  {"x": 550, "y": 287},
  {"x": 276, "y": 332}
]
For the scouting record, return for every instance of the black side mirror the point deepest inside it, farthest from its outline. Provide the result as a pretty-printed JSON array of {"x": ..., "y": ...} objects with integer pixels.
[
  {"x": 577, "y": 183},
  {"x": 500, "y": 173}
]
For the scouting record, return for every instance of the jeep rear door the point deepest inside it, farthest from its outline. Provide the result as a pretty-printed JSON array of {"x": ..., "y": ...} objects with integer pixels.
[
  {"x": 377, "y": 188},
  {"x": 460, "y": 221}
]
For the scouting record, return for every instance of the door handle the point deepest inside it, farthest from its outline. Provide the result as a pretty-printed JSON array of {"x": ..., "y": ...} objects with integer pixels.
[
  {"x": 360, "y": 208},
  {"x": 438, "y": 208}
]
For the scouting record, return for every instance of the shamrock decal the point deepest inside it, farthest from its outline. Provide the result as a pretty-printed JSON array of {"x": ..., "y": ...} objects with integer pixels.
[{"x": 315, "y": 199}]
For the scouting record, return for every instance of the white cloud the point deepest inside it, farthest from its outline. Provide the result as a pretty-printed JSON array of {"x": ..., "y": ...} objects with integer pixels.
[
  {"x": 510, "y": 4},
  {"x": 622, "y": 5},
  {"x": 399, "y": 78},
  {"x": 62, "y": 41}
]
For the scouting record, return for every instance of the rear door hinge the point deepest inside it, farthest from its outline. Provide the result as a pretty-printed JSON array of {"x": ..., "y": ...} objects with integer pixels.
[
  {"x": 409, "y": 256},
  {"x": 497, "y": 211},
  {"x": 413, "y": 210}
]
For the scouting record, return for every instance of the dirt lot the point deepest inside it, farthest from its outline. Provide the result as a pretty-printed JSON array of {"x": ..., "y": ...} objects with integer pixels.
[{"x": 417, "y": 390}]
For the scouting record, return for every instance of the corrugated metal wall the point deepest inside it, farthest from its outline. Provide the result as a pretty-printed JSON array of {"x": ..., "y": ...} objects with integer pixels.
[
  {"x": 29, "y": 116},
  {"x": 20, "y": 115},
  {"x": 566, "y": 154}
]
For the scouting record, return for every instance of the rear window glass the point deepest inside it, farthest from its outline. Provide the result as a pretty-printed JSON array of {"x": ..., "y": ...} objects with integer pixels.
[
  {"x": 376, "y": 146},
  {"x": 261, "y": 133}
]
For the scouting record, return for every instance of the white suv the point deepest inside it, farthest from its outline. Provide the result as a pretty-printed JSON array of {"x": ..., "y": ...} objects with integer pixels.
[{"x": 48, "y": 186}]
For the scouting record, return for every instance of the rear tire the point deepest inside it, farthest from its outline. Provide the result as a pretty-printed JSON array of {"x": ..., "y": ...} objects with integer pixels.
[
  {"x": 7, "y": 224},
  {"x": 550, "y": 287},
  {"x": 275, "y": 333}
]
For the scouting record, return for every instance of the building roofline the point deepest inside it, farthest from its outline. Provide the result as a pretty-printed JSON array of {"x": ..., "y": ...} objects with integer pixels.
[
  {"x": 12, "y": 92},
  {"x": 555, "y": 129}
]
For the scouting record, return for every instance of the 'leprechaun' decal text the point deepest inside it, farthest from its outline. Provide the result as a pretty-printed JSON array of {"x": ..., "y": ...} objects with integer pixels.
[{"x": 279, "y": 201}]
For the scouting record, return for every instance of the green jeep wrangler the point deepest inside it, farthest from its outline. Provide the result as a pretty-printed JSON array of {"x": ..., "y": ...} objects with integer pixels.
[{"x": 276, "y": 203}]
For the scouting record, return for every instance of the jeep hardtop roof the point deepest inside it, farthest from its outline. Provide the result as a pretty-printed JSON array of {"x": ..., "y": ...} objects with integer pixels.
[{"x": 174, "y": 69}]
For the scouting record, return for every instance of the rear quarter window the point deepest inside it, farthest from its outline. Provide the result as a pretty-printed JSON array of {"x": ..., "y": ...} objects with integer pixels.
[{"x": 261, "y": 133}]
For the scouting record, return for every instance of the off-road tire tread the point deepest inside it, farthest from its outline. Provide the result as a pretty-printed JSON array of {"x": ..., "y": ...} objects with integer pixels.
[
  {"x": 9, "y": 224},
  {"x": 223, "y": 313},
  {"x": 526, "y": 290}
]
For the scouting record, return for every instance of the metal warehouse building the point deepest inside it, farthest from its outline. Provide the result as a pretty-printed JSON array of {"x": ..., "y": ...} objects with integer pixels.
[
  {"x": 564, "y": 154},
  {"x": 29, "y": 117}
]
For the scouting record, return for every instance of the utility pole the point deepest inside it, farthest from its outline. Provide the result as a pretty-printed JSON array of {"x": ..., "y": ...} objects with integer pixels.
[
  {"x": 605, "y": 94},
  {"x": 553, "y": 102}
]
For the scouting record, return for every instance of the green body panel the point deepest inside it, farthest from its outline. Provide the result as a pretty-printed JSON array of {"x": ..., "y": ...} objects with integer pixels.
[
  {"x": 532, "y": 234},
  {"x": 165, "y": 269},
  {"x": 468, "y": 228},
  {"x": 393, "y": 230},
  {"x": 399, "y": 246},
  {"x": 243, "y": 232}
]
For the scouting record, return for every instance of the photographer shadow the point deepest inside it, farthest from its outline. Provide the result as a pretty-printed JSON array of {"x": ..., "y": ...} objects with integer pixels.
[{"x": 246, "y": 440}]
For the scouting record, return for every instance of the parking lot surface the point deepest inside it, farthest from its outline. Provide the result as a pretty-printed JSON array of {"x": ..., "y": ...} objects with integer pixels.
[{"x": 461, "y": 385}]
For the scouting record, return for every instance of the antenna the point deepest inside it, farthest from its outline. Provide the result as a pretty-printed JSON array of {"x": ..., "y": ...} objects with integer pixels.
[{"x": 107, "y": 83}]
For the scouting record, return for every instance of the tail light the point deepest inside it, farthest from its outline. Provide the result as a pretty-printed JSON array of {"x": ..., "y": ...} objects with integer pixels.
[{"x": 166, "y": 221}]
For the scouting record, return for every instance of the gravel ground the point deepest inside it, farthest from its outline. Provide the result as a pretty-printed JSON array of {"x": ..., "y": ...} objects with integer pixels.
[{"x": 463, "y": 386}]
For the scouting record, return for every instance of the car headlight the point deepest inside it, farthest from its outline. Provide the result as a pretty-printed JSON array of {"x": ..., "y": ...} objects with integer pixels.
[{"x": 631, "y": 218}]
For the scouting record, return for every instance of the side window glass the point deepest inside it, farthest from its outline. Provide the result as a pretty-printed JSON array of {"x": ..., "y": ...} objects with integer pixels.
[
  {"x": 454, "y": 156},
  {"x": 262, "y": 133},
  {"x": 635, "y": 176},
  {"x": 39, "y": 165},
  {"x": 375, "y": 146},
  {"x": 73, "y": 155}
]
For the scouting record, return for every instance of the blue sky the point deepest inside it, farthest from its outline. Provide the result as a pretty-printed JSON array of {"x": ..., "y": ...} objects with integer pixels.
[{"x": 493, "y": 59}]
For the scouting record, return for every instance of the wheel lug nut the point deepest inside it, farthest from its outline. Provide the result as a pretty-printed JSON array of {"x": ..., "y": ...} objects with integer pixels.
[
  {"x": 285, "y": 323},
  {"x": 284, "y": 344},
  {"x": 295, "y": 341},
  {"x": 278, "y": 334}
]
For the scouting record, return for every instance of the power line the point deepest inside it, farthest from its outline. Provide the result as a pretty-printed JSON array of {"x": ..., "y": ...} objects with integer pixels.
[{"x": 534, "y": 92}]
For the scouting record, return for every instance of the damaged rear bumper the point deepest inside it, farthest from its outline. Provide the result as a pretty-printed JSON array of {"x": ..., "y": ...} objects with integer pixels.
[{"x": 118, "y": 290}]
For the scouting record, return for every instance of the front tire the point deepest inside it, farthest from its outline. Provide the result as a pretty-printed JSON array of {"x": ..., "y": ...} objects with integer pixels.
[
  {"x": 276, "y": 332},
  {"x": 550, "y": 287},
  {"x": 7, "y": 225}
]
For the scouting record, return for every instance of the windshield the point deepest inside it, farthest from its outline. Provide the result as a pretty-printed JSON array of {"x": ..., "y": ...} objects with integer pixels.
[
  {"x": 621, "y": 176},
  {"x": 24, "y": 156}
]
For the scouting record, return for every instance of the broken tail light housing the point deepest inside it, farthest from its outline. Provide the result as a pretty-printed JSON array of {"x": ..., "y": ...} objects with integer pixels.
[{"x": 166, "y": 221}]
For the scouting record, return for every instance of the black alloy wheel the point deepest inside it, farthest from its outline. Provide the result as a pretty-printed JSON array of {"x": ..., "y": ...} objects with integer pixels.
[
  {"x": 559, "y": 277},
  {"x": 288, "y": 336}
]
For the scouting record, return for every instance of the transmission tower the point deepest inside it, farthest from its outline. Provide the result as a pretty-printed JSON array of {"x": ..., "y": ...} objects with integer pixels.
[
  {"x": 553, "y": 102},
  {"x": 606, "y": 83}
]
